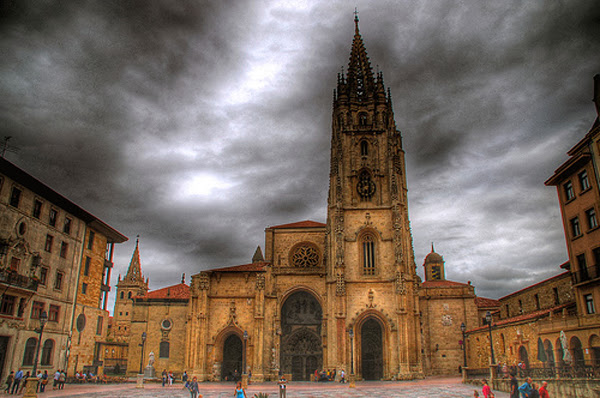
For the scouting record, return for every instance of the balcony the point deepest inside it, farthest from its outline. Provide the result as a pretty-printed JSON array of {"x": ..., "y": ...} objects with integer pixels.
[
  {"x": 13, "y": 279},
  {"x": 586, "y": 275}
]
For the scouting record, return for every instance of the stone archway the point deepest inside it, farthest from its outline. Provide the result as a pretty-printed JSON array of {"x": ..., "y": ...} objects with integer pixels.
[
  {"x": 231, "y": 367},
  {"x": 524, "y": 356},
  {"x": 301, "y": 346},
  {"x": 371, "y": 350}
]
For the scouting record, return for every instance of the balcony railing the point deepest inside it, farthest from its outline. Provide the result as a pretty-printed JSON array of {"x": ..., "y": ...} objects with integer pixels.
[
  {"x": 13, "y": 278},
  {"x": 586, "y": 274}
]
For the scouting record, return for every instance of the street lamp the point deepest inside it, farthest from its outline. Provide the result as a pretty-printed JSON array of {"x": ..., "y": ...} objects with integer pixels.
[
  {"x": 463, "y": 329},
  {"x": 142, "y": 355},
  {"x": 244, "y": 374},
  {"x": 31, "y": 386},
  {"x": 351, "y": 377},
  {"x": 488, "y": 318}
]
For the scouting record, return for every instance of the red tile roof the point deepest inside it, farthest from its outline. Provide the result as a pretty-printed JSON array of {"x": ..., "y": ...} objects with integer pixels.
[
  {"x": 301, "y": 224},
  {"x": 443, "y": 283},
  {"x": 175, "y": 292},
  {"x": 483, "y": 302},
  {"x": 253, "y": 267},
  {"x": 524, "y": 317}
]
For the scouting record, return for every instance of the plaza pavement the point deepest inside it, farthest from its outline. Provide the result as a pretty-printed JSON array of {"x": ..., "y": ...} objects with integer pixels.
[{"x": 428, "y": 388}]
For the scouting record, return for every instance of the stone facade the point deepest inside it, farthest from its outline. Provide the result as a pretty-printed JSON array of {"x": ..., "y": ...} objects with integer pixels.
[
  {"x": 337, "y": 295},
  {"x": 41, "y": 248}
]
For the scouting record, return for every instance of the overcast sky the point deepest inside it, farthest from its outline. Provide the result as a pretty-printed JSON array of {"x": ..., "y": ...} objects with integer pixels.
[{"x": 198, "y": 124}]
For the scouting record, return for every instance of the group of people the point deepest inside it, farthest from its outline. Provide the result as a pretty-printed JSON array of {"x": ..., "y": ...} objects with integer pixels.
[
  {"x": 326, "y": 375},
  {"x": 167, "y": 378},
  {"x": 17, "y": 382},
  {"x": 527, "y": 390}
]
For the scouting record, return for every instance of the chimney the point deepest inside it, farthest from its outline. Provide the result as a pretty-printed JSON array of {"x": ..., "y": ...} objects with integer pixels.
[{"x": 597, "y": 93}]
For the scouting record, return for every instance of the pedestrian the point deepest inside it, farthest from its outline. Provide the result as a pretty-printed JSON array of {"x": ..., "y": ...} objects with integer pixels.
[
  {"x": 193, "y": 387},
  {"x": 475, "y": 394},
  {"x": 56, "y": 377},
  {"x": 44, "y": 381},
  {"x": 24, "y": 384},
  {"x": 184, "y": 379},
  {"x": 16, "y": 381},
  {"x": 342, "y": 376},
  {"x": 62, "y": 379},
  {"x": 9, "y": 380},
  {"x": 534, "y": 391},
  {"x": 486, "y": 390},
  {"x": 164, "y": 377},
  {"x": 514, "y": 386},
  {"x": 39, "y": 380},
  {"x": 543, "y": 391},
  {"x": 239, "y": 391},
  {"x": 525, "y": 388},
  {"x": 282, "y": 387},
  {"x": 170, "y": 378}
]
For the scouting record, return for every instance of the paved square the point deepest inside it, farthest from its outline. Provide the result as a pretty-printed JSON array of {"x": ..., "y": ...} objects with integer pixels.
[{"x": 432, "y": 387}]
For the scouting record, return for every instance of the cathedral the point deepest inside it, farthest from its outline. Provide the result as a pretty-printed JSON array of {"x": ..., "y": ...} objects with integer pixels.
[{"x": 339, "y": 295}]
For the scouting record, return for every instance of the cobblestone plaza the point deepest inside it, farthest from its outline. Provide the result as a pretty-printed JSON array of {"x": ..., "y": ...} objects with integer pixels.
[{"x": 437, "y": 387}]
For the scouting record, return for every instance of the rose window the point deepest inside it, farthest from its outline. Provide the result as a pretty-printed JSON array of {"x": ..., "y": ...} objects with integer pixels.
[{"x": 305, "y": 256}]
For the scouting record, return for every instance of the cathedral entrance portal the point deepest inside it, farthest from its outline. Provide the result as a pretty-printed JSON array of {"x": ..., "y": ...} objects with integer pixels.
[
  {"x": 371, "y": 349},
  {"x": 301, "y": 348},
  {"x": 232, "y": 358}
]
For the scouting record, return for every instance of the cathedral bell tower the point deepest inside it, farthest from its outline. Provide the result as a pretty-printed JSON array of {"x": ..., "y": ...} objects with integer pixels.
[{"x": 370, "y": 255}]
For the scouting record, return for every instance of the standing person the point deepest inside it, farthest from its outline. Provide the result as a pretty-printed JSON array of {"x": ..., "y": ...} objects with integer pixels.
[
  {"x": 62, "y": 379},
  {"x": 282, "y": 387},
  {"x": 16, "y": 381},
  {"x": 525, "y": 389},
  {"x": 342, "y": 376},
  {"x": 514, "y": 386},
  {"x": 193, "y": 387},
  {"x": 164, "y": 377},
  {"x": 239, "y": 391},
  {"x": 24, "y": 382},
  {"x": 9, "y": 380},
  {"x": 543, "y": 391},
  {"x": 170, "y": 378},
  {"x": 44, "y": 381},
  {"x": 184, "y": 378},
  {"x": 534, "y": 391},
  {"x": 486, "y": 390},
  {"x": 39, "y": 380},
  {"x": 56, "y": 377}
]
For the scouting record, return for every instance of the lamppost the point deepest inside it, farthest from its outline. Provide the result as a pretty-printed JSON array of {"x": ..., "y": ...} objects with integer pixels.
[
  {"x": 142, "y": 355},
  {"x": 244, "y": 374},
  {"x": 351, "y": 376},
  {"x": 488, "y": 318},
  {"x": 463, "y": 329},
  {"x": 32, "y": 381}
]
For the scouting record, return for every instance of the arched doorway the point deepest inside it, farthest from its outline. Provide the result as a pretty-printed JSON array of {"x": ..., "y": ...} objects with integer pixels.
[
  {"x": 371, "y": 350},
  {"x": 524, "y": 356},
  {"x": 232, "y": 358},
  {"x": 595, "y": 349},
  {"x": 577, "y": 352},
  {"x": 301, "y": 347},
  {"x": 549, "y": 353}
]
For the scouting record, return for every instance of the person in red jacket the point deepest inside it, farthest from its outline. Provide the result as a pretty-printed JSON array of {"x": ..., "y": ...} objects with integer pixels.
[{"x": 543, "y": 391}]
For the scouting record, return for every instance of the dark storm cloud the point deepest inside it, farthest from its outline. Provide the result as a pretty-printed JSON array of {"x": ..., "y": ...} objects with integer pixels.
[{"x": 198, "y": 124}]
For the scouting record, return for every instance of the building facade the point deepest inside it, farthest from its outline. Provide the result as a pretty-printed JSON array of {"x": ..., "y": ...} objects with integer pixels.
[
  {"x": 343, "y": 294},
  {"x": 42, "y": 237}
]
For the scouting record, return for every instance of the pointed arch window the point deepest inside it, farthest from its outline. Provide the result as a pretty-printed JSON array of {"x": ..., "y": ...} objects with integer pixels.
[
  {"x": 368, "y": 255},
  {"x": 362, "y": 119},
  {"x": 364, "y": 148}
]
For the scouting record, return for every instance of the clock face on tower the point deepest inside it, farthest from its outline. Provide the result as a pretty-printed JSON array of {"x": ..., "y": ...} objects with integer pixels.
[{"x": 365, "y": 186}]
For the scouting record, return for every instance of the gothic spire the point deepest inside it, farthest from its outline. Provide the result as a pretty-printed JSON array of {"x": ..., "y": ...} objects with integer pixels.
[
  {"x": 360, "y": 74},
  {"x": 134, "y": 272}
]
